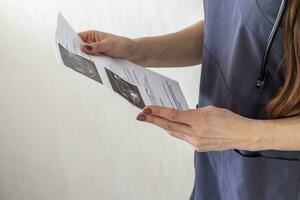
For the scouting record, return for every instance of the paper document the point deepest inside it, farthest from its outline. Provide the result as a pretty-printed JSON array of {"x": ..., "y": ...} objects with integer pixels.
[{"x": 138, "y": 85}]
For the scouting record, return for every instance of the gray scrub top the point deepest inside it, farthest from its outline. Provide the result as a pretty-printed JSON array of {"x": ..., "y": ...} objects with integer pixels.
[{"x": 236, "y": 33}]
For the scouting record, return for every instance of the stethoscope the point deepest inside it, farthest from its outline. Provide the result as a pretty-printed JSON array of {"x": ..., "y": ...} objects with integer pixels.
[{"x": 261, "y": 80}]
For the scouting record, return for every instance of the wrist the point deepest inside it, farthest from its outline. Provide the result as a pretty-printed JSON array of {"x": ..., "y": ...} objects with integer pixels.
[
  {"x": 138, "y": 54},
  {"x": 262, "y": 135}
]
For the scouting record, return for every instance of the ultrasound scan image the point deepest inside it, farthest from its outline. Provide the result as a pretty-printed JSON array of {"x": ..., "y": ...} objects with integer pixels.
[
  {"x": 125, "y": 89},
  {"x": 79, "y": 64}
]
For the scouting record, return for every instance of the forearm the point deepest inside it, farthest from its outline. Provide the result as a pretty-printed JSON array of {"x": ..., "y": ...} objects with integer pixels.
[
  {"x": 277, "y": 134},
  {"x": 183, "y": 48}
]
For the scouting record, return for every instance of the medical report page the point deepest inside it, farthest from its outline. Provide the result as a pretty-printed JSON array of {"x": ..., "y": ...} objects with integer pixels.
[{"x": 138, "y": 85}]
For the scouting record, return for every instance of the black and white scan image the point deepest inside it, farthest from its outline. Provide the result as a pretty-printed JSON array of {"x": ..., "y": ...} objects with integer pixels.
[
  {"x": 79, "y": 64},
  {"x": 127, "y": 90}
]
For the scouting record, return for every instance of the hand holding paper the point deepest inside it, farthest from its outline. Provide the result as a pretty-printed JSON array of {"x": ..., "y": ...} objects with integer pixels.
[{"x": 101, "y": 43}]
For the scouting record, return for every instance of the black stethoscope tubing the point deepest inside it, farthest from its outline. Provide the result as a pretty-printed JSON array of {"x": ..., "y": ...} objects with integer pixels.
[{"x": 261, "y": 80}]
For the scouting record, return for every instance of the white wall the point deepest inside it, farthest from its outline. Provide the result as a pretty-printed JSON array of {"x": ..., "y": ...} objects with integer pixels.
[{"x": 63, "y": 136}]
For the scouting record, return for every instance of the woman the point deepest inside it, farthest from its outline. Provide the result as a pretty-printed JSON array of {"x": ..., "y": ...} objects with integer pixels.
[{"x": 247, "y": 141}]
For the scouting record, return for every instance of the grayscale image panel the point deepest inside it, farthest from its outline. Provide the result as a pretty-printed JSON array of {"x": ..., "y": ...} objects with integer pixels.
[
  {"x": 79, "y": 64},
  {"x": 125, "y": 89}
]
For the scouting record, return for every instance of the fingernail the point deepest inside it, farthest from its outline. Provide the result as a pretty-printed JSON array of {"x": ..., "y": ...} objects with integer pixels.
[
  {"x": 88, "y": 47},
  {"x": 147, "y": 111},
  {"x": 141, "y": 117}
]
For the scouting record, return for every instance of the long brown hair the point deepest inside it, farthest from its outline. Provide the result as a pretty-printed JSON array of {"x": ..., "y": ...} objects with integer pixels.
[{"x": 286, "y": 101}]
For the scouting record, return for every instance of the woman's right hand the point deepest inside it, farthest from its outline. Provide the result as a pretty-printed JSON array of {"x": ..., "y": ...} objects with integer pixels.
[
  {"x": 100, "y": 43},
  {"x": 182, "y": 48}
]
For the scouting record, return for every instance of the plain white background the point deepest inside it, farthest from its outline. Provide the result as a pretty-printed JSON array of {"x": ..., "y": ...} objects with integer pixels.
[{"x": 65, "y": 137}]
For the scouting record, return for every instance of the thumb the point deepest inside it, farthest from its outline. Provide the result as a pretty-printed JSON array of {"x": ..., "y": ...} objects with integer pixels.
[{"x": 106, "y": 47}]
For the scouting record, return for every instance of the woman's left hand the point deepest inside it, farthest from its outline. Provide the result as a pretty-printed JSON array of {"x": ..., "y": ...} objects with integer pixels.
[{"x": 206, "y": 129}]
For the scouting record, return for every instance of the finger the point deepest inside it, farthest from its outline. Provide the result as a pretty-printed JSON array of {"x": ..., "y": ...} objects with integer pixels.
[
  {"x": 85, "y": 35},
  {"x": 169, "y": 114},
  {"x": 98, "y": 48},
  {"x": 89, "y": 36},
  {"x": 166, "y": 124}
]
